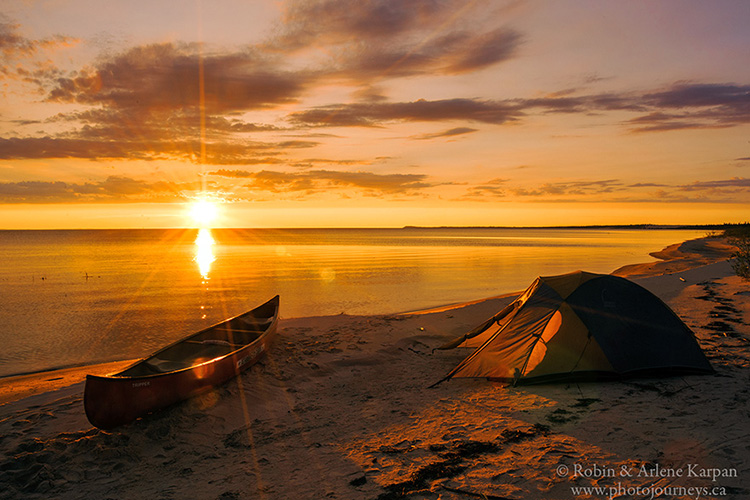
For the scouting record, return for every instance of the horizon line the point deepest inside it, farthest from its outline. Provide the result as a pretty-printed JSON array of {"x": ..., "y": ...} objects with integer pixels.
[{"x": 576, "y": 226}]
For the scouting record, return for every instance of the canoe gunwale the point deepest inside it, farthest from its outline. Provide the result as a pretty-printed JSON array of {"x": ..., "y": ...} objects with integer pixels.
[{"x": 218, "y": 359}]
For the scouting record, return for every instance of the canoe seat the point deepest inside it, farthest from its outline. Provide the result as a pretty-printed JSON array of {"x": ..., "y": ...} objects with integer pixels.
[
  {"x": 232, "y": 336},
  {"x": 249, "y": 324},
  {"x": 215, "y": 342},
  {"x": 260, "y": 322}
]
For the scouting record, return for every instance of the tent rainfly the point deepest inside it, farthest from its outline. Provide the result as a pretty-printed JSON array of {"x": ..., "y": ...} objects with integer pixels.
[{"x": 581, "y": 326}]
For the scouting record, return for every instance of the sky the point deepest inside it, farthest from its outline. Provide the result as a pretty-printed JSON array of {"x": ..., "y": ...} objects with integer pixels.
[{"x": 375, "y": 113}]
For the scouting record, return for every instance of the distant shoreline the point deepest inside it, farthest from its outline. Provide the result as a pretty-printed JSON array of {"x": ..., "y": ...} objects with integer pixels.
[{"x": 709, "y": 227}]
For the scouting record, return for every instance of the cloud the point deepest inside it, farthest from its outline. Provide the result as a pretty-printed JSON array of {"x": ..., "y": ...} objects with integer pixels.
[
  {"x": 113, "y": 189},
  {"x": 168, "y": 125},
  {"x": 17, "y": 148},
  {"x": 234, "y": 174},
  {"x": 447, "y": 133},
  {"x": 682, "y": 106},
  {"x": 494, "y": 188},
  {"x": 318, "y": 180},
  {"x": 738, "y": 183},
  {"x": 582, "y": 104},
  {"x": 647, "y": 184},
  {"x": 455, "y": 53},
  {"x": 95, "y": 144},
  {"x": 12, "y": 44},
  {"x": 130, "y": 129},
  {"x": 581, "y": 187},
  {"x": 481, "y": 51},
  {"x": 307, "y": 163},
  {"x": 663, "y": 122},
  {"x": 676, "y": 125},
  {"x": 373, "y": 36},
  {"x": 476, "y": 110},
  {"x": 695, "y": 106},
  {"x": 15, "y": 46},
  {"x": 700, "y": 95},
  {"x": 27, "y": 60},
  {"x": 376, "y": 114},
  {"x": 327, "y": 22},
  {"x": 373, "y": 39},
  {"x": 504, "y": 188},
  {"x": 735, "y": 190},
  {"x": 168, "y": 76},
  {"x": 146, "y": 103}
]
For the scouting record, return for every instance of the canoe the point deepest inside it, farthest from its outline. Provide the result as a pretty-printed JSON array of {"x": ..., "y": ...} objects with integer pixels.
[{"x": 181, "y": 370}]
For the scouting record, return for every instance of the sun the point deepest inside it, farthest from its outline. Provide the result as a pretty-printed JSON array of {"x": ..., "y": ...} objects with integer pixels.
[{"x": 204, "y": 212}]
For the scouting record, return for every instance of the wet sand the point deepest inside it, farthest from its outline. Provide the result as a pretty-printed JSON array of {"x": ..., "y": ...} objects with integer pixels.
[
  {"x": 23, "y": 386},
  {"x": 340, "y": 409}
]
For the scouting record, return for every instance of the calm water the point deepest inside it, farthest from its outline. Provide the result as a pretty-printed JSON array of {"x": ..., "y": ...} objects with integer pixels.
[{"x": 77, "y": 297}]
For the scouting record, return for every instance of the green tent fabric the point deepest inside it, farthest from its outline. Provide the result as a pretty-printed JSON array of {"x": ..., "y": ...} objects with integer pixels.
[{"x": 581, "y": 326}]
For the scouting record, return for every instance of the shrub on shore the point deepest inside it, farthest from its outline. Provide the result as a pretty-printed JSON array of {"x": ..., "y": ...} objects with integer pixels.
[
  {"x": 737, "y": 230},
  {"x": 739, "y": 236}
]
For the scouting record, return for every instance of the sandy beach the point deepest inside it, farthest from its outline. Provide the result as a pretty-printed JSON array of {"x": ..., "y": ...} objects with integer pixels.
[{"x": 340, "y": 409}]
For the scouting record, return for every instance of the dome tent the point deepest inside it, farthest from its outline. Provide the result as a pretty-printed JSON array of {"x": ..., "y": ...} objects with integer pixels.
[{"x": 581, "y": 326}]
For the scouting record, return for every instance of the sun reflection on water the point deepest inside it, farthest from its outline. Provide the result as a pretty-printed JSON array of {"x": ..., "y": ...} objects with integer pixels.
[{"x": 204, "y": 252}]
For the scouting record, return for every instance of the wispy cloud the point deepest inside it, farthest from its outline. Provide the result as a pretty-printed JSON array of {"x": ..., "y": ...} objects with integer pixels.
[
  {"x": 307, "y": 163},
  {"x": 701, "y": 106},
  {"x": 738, "y": 183},
  {"x": 112, "y": 189},
  {"x": 575, "y": 188},
  {"x": 332, "y": 22},
  {"x": 647, "y": 185},
  {"x": 378, "y": 114},
  {"x": 695, "y": 105},
  {"x": 494, "y": 188},
  {"x": 373, "y": 39},
  {"x": 96, "y": 144},
  {"x": 446, "y": 133},
  {"x": 317, "y": 180},
  {"x": 735, "y": 190},
  {"x": 25, "y": 59},
  {"x": 15, "y": 46}
]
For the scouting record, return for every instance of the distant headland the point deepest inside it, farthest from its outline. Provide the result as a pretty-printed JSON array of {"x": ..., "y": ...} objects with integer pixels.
[{"x": 707, "y": 227}]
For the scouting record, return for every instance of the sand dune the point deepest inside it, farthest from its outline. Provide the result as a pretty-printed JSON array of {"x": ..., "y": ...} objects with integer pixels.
[{"x": 340, "y": 409}]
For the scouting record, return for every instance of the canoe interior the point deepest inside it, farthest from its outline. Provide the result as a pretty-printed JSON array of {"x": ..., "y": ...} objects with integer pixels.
[{"x": 214, "y": 342}]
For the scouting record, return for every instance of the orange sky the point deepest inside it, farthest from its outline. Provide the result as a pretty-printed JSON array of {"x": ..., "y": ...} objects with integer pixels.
[{"x": 374, "y": 113}]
